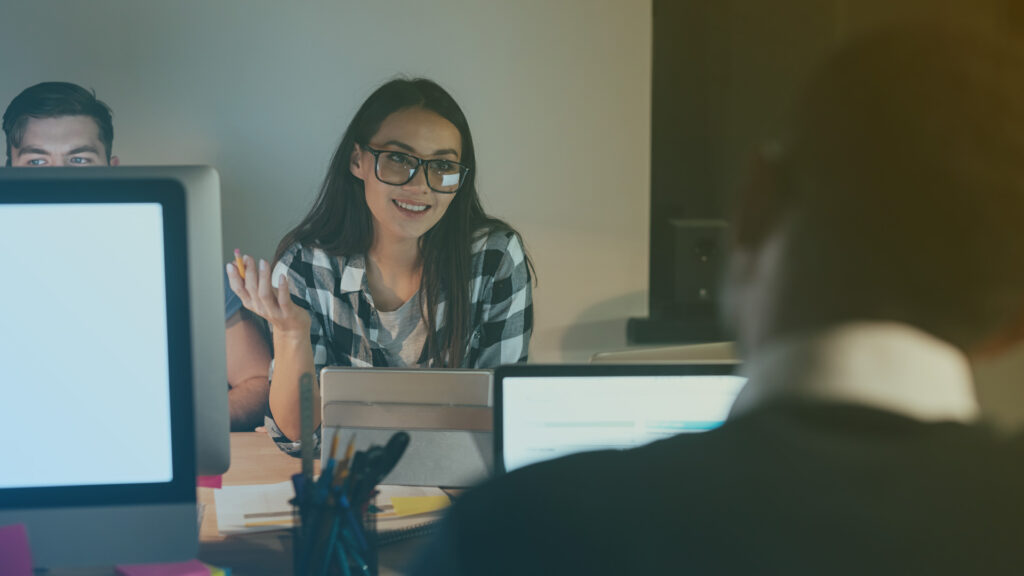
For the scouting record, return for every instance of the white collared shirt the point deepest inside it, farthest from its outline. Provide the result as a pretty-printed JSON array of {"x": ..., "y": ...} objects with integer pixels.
[{"x": 884, "y": 365}]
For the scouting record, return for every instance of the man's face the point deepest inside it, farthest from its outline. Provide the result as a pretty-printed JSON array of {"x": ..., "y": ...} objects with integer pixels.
[{"x": 61, "y": 141}]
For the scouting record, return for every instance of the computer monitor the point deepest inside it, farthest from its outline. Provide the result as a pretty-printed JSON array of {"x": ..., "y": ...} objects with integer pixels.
[
  {"x": 205, "y": 274},
  {"x": 544, "y": 412},
  {"x": 96, "y": 366}
]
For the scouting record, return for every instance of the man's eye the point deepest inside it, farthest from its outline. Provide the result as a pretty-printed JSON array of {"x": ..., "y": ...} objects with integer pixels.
[
  {"x": 37, "y": 162},
  {"x": 79, "y": 161}
]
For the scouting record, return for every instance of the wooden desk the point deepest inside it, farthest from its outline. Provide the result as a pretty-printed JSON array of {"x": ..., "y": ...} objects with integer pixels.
[{"x": 256, "y": 460}]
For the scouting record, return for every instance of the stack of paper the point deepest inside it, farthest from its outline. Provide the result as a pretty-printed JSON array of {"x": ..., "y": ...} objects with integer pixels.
[
  {"x": 254, "y": 508},
  {"x": 263, "y": 507}
]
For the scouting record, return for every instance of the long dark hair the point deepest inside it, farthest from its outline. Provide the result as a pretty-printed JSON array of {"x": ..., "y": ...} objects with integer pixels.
[{"x": 341, "y": 224}]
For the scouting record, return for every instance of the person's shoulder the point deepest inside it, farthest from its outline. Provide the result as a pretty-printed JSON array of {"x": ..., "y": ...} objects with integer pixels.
[
  {"x": 305, "y": 253},
  {"x": 495, "y": 248},
  {"x": 560, "y": 482},
  {"x": 500, "y": 239},
  {"x": 294, "y": 252},
  {"x": 557, "y": 510}
]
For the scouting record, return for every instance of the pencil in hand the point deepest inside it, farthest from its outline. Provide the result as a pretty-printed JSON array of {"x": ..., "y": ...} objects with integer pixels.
[{"x": 239, "y": 263}]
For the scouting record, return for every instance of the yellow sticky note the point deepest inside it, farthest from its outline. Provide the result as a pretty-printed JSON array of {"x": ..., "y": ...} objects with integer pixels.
[
  {"x": 411, "y": 505},
  {"x": 217, "y": 571}
]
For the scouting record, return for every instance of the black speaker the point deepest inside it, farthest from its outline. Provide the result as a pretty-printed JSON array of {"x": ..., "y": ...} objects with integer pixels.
[{"x": 701, "y": 248}]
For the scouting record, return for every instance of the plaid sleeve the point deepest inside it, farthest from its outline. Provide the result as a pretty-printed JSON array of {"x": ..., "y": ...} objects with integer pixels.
[
  {"x": 232, "y": 303},
  {"x": 301, "y": 264},
  {"x": 506, "y": 321}
]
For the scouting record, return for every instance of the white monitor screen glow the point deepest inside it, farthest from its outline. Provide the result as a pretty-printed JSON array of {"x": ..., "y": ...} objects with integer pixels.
[
  {"x": 85, "y": 351},
  {"x": 545, "y": 416}
]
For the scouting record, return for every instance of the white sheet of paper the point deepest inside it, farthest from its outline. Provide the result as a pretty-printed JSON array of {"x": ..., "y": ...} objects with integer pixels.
[{"x": 254, "y": 508}]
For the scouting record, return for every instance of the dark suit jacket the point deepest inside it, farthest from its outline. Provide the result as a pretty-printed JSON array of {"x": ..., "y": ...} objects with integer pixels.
[{"x": 790, "y": 488}]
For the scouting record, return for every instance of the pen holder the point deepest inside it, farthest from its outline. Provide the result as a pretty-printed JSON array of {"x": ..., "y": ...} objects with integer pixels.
[
  {"x": 334, "y": 533},
  {"x": 330, "y": 538}
]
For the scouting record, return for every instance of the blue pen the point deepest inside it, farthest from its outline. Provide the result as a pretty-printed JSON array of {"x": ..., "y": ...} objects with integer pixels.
[
  {"x": 323, "y": 484},
  {"x": 355, "y": 555},
  {"x": 356, "y": 529},
  {"x": 343, "y": 559},
  {"x": 331, "y": 541}
]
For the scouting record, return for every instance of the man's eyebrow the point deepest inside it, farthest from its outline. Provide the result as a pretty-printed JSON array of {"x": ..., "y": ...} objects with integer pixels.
[
  {"x": 86, "y": 148},
  {"x": 411, "y": 150},
  {"x": 32, "y": 150}
]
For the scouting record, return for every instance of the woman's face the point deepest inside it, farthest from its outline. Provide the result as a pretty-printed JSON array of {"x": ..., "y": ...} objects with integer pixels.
[{"x": 410, "y": 210}]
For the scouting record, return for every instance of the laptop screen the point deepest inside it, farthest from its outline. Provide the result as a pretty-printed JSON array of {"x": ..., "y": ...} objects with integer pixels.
[{"x": 548, "y": 413}]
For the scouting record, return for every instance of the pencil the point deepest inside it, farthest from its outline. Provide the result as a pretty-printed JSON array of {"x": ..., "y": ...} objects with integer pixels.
[
  {"x": 239, "y": 263},
  {"x": 351, "y": 447},
  {"x": 334, "y": 447},
  {"x": 341, "y": 471}
]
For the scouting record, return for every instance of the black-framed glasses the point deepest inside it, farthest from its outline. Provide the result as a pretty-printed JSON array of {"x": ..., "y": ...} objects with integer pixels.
[{"x": 399, "y": 168}]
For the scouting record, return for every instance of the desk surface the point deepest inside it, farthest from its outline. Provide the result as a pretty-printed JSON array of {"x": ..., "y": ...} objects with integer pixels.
[{"x": 256, "y": 460}]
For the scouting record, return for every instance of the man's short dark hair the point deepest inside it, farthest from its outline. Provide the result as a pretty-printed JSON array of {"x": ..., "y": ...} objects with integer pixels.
[
  {"x": 53, "y": 100},
  {"x": 907, "y": 177}
]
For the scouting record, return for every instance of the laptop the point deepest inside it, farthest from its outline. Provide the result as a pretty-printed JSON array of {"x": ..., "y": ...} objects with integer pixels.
[
  {"x": 447, "y": 414},
  {"x": 545, "y": 412}
]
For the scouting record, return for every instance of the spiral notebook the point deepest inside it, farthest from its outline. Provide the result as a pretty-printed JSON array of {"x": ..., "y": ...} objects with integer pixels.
[{"x": 403, "y": 512}]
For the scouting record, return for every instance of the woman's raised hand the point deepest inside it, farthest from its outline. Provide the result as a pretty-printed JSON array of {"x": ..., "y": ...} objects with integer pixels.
[{"x": 253, "y": 287}]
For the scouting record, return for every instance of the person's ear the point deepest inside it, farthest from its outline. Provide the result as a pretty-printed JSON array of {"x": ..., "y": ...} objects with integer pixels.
[
  {"x": 355, "y": 163},
  {"x": 764, "y": 199},
  {"x": 1009, "y": 336},
  {"x": 115, "y": 161}
]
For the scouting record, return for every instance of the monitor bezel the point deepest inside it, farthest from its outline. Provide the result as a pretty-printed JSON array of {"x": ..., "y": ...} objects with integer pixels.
[
  {"x": 171, "y": 196},
  {"x": 584, "y": 370}
]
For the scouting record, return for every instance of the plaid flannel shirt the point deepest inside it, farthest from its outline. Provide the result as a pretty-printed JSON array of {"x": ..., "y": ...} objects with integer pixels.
[{"x": 345, "y": 325}]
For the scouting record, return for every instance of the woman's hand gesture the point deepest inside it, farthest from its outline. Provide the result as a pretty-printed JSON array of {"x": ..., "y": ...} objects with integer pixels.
[{"x": 254, "y": 289}]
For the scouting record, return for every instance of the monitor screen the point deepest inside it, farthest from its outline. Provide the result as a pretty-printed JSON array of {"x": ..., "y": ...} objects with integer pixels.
[
  {"x": 85, "y": 347},
  {"x": 96, "y": 366},
  {"x": 548, "y": 415}
]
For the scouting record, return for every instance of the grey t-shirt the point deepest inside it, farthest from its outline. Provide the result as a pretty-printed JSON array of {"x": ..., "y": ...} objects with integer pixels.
[{"x": 403, "y": 333}]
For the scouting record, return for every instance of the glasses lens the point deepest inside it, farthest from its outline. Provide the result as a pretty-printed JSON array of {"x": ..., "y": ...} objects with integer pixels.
[
  {"x": 395, "y": 168},
  {"x": 444, "y": 176}
]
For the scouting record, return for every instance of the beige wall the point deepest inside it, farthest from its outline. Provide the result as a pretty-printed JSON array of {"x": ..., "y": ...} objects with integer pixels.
[{"x": 557, "y": 94}]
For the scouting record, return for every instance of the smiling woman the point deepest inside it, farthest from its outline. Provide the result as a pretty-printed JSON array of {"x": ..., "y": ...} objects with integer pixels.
[{"x": 397, "y": 264}]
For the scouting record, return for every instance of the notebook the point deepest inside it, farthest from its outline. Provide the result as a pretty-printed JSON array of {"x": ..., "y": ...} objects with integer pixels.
[
  {"x": 404, "y": 512},
  {"x": 544, "y": 412}
]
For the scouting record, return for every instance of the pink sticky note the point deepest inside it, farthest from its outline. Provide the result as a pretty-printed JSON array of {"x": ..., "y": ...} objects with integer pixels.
[
  {"x": 190, "y": 568},
  {"x": 208, "y": 481},
  {"x": 14, "y": 550}
]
